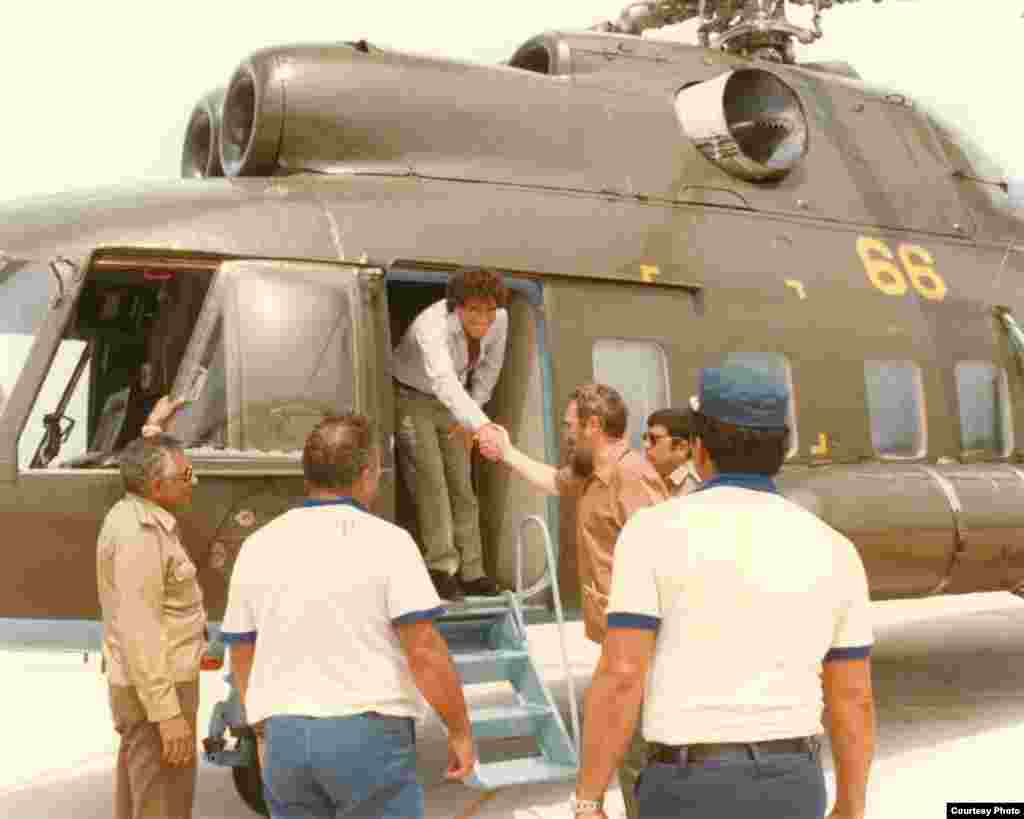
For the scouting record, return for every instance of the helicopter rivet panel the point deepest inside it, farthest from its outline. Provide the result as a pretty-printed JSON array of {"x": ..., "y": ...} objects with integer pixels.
[{"x": 748, "y": 122}]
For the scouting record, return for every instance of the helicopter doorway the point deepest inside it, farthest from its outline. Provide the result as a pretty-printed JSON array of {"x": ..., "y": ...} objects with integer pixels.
[{"x": 521, "y": 402}]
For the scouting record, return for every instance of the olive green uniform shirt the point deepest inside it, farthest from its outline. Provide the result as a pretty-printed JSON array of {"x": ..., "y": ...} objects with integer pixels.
[{"x": 153, "y": 617}]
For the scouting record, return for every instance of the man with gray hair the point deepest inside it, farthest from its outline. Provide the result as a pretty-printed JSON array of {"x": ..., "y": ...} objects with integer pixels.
[
  {"x": 153, "y": 632},
  {"x": 330, "y": 622}
]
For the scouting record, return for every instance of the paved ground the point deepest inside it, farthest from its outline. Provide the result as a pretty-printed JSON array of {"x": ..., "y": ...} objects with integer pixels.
[{"x": 949, "y": 681}]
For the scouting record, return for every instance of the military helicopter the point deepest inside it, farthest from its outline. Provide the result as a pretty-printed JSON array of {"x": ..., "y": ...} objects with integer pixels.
[{"x": 656, "y": 207}]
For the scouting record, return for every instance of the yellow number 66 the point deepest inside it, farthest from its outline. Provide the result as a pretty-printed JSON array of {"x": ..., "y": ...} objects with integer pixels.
[{"x": 885, "y": 274}]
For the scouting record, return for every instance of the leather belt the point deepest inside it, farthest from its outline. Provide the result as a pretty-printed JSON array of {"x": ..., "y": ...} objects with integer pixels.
[{"x": 690, "y": 754}]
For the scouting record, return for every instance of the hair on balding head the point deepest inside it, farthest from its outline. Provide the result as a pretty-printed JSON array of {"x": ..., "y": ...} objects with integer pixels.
[
  {"x": 606, "y": 404},
  {"x": 337, "y": 451},
  {"x": 145, "y": 459}
]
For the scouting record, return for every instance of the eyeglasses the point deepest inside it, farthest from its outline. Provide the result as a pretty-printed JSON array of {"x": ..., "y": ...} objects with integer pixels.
[
  {"x": 185, "y": 477},
  {"x": 651, "y": 440}
]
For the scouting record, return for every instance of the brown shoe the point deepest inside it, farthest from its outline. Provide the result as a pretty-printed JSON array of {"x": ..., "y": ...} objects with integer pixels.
[
  {"x": 481, "y": 586},
  {"x": 447, "y": 585}
]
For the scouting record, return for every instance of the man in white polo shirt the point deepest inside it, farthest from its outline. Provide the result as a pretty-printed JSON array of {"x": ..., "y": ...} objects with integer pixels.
[
  {"x": 740, "y": 613},
  {"x": 341, "y": 609}
]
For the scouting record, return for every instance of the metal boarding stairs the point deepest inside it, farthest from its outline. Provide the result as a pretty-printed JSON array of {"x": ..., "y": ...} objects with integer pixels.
[{"x": 488, "y": 643}]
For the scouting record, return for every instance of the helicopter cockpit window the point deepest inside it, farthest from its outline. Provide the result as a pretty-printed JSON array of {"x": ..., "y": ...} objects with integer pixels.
[
  {"x": 963, "y": 153},
  {"x": 271, "y": 356},
  {"x": 895, "y": 396},
  {"x": 119, "y": 354},
  {"x": 25, "y": 291},
  {"x": 985, "y": 419}
]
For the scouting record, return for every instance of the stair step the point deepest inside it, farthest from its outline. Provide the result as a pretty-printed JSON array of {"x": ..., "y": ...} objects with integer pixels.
[
  {"x": 526, "y": 771},
  {"x": 507, "y": 720},
  {"x": 483, "y": 607},
  {"x": 489, "y": 666}
]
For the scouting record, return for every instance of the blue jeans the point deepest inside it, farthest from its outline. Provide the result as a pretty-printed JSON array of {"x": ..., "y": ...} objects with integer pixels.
[
  {"x": 772, "y": 786},
  {"x": 359, "y": 766}
]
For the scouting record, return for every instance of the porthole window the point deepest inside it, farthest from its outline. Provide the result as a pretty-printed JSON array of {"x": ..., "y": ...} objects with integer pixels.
[
  {"x": 639, "y": 371},
  {"x": 895, "y": 396},
  {"x": 985, "y": 419}
]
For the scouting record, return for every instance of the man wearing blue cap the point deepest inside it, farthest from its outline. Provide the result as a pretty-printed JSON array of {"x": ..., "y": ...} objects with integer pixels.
[{"x": 734, "y": 615}]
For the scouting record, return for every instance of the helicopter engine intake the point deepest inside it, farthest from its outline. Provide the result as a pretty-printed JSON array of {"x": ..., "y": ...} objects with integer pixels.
[
  {"x": 200, "y": 155},
  {"x": 748, "y": 122},
  {"x": 253, "y": 118}
]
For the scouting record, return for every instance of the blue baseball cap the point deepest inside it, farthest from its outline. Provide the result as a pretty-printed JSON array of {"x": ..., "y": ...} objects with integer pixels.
[{"x": 744, "y": 397}]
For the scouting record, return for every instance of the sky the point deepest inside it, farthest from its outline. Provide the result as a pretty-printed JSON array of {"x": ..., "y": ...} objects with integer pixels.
[{"x": 98, "y": 93}]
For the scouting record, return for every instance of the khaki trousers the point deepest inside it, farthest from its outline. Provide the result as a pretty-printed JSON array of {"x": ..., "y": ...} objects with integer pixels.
[
  {"x": 629, "y": 772},
  {"x": 436, "y": 470},
  {"x": 146, "y": 787}
]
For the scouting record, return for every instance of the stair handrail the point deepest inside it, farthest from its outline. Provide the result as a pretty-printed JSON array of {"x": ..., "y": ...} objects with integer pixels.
[{"x": 548, "y": 578}]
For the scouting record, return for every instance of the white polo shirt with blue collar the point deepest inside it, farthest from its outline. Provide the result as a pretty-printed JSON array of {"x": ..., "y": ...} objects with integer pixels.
[
  {"x": 749, "y": 594},
  {"x": 320, "y": 590}
]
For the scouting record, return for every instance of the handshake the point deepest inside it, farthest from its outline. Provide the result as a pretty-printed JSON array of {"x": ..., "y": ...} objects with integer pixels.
[{"x": 493, "y": 440}]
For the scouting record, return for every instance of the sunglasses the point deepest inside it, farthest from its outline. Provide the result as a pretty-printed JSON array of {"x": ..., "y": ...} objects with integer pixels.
[
  {"x": 185, "y": 477},
  {"x": 650, "y": 439}
]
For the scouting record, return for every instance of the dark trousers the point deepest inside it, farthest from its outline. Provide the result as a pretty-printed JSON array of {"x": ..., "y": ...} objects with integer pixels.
[
  {"x": 146, "y": 787},
  {"x": 770, "y": 786}
]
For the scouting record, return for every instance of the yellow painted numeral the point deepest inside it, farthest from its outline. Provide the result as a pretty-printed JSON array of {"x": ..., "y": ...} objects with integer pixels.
[
  {"x": 920, "y": 267},
  {"x": 879, "y": 264},
  {"x": 885, "y": 274}
]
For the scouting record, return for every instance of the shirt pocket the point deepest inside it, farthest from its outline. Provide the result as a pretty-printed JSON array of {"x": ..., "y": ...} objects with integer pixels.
[{"x": 181, "y": 587}]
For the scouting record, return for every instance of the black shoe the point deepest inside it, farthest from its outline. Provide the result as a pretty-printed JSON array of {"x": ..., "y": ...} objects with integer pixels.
[
  {"x": 447, "y": 585},
  {"x": 481, "y": 586}
]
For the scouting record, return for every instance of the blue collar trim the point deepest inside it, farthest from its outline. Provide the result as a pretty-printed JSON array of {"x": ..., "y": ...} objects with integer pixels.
[
  {"x": 335, "y": 502},
  {"x": 742, "y": 480}
]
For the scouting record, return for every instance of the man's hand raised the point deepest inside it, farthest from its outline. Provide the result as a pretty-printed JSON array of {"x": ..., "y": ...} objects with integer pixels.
[{"x": 161, "y": 414}]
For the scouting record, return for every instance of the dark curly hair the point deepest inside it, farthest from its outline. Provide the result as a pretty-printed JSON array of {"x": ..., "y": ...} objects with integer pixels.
[
  {"x": 338, "y": 450},
  {"x": 678, "y": 422},
  {"x": 475, "y": 283}
]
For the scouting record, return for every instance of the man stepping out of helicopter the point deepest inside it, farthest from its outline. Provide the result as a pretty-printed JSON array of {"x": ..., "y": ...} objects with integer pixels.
[{"x": 457, "y": 341}]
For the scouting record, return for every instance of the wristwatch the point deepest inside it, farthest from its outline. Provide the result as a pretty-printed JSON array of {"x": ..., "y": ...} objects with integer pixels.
[{"x": 581, "y": 807}]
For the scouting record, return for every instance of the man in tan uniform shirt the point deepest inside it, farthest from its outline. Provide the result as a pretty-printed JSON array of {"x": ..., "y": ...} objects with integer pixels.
[
  {"x": 612, "y": 482},
  {"x": 153, "y": 633}
]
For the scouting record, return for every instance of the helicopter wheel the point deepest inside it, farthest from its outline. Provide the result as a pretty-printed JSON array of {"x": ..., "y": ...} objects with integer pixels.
[{"x": 249, "y": 784}]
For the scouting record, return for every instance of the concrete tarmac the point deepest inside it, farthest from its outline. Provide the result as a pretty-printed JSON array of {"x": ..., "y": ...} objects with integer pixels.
[{"x": 949, "y": 683}]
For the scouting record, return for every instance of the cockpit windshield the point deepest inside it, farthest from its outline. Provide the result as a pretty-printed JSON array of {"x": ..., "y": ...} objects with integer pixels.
[
  {"x": 964, "y": 153},
  {"x": 25, "y": 289},
  {"x": 270, "y": 356}
]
